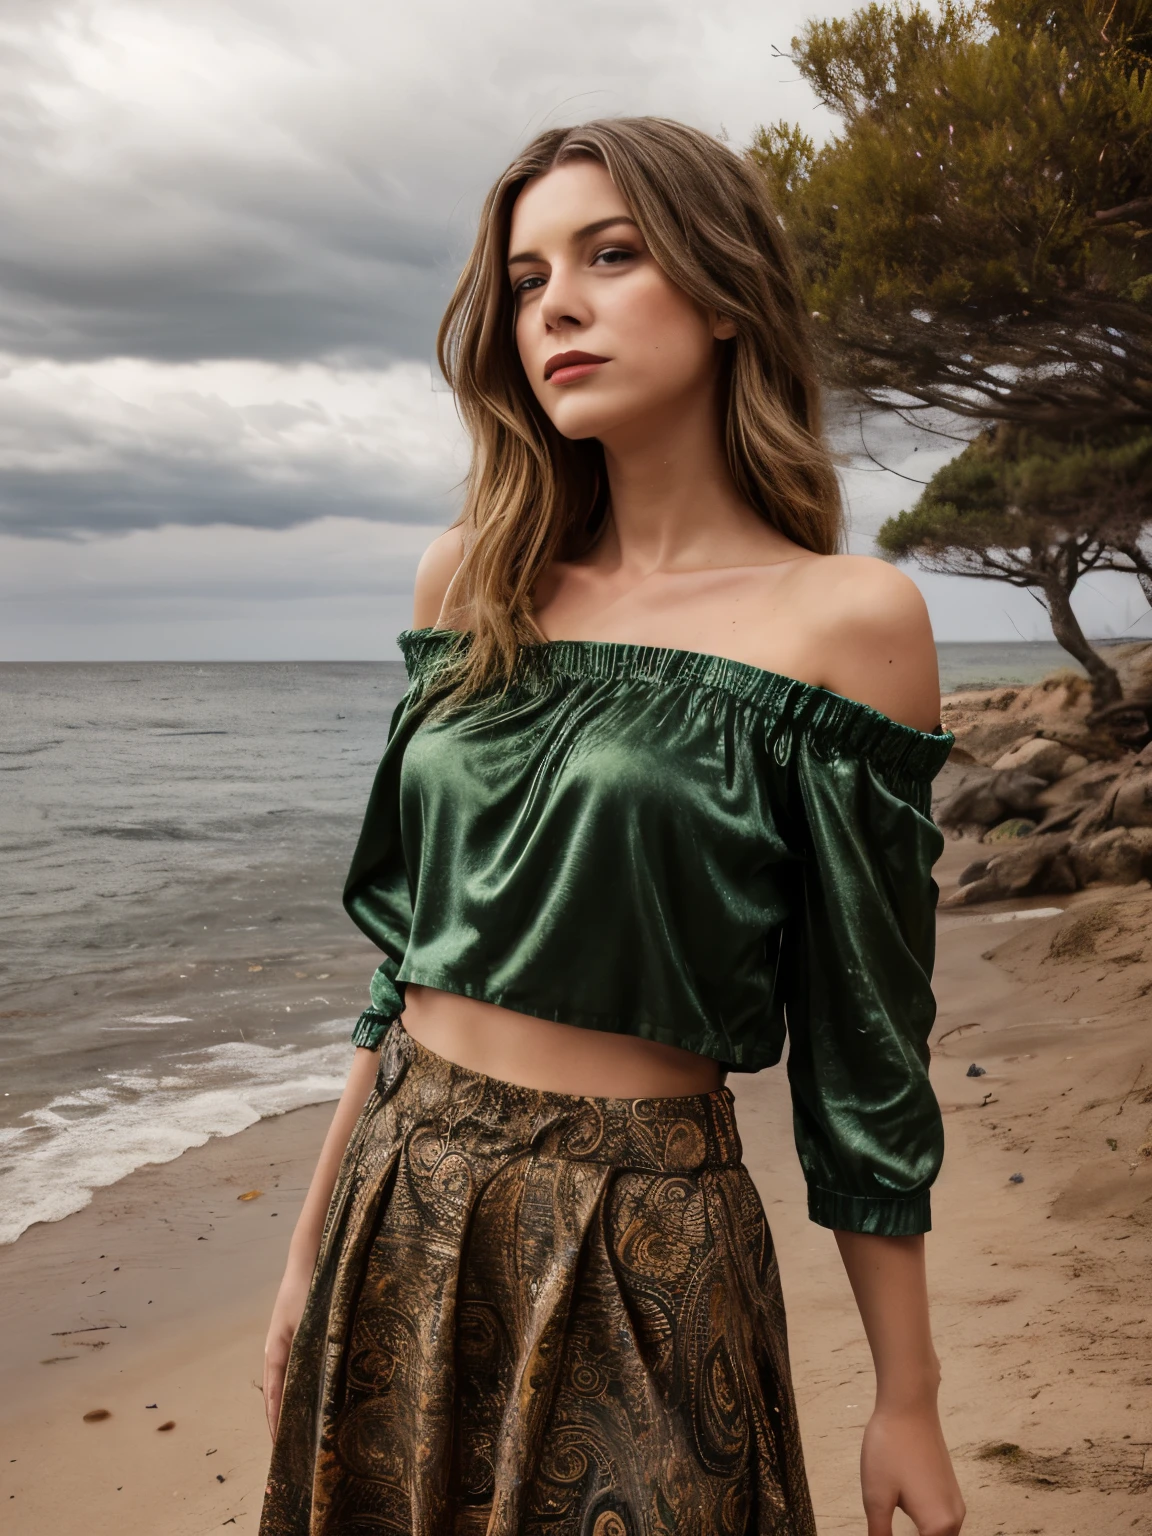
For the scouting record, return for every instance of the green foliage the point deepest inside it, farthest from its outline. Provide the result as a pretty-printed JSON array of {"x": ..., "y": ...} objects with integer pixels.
[
  {"x": 785, "y": 154},
  {"x": 1036, "y": 512},
  {"x": 865, "y": 65},
  {"x": 951, "y": 233},
  {"x": 1011, "y": 497}
]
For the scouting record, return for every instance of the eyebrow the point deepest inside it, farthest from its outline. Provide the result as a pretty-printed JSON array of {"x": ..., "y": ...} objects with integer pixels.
[{"x": 581, "y": 234}]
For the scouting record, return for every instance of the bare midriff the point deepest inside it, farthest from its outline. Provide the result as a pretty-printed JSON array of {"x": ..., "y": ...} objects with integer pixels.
[{"x": 558, "y": 1058}]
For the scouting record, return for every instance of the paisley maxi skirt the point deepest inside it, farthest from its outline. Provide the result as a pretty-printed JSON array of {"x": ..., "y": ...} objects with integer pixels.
[{"x": 536, "y": 1313}]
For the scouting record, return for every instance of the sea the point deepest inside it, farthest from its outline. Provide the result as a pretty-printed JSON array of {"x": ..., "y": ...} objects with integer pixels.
[{"x": 175, "y": 962}]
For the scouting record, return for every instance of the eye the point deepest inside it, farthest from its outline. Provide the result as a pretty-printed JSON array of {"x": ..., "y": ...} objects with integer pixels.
[
  {"x": 613, "y": 255},
  {"x": 527, "y": 284}
]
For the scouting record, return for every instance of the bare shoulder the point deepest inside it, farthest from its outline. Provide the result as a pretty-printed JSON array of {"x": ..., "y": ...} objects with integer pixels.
[
  {"x": 438, "y": 565},
  {"x": 871, "y": 636}
]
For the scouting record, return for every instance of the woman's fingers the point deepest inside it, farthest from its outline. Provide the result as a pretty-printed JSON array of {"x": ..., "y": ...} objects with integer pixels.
[
  {"x": 905, "y": 1465},
  {"x": 286, "y": 1316},
  {"x": 275, "y": 1363}
]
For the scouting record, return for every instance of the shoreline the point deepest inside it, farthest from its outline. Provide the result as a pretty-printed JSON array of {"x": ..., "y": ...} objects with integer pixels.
[
  {"x": 1039, "y": 1289},
  {"x": 157, "y": 1292}
]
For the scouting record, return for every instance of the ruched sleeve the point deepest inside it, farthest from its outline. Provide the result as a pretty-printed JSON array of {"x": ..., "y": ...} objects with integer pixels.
[
  {"x": 857, "y": 955},
  {"x": 376, "y": 894}
]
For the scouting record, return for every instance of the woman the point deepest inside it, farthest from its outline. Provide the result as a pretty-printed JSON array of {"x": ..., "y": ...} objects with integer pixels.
[{"x": 659, "y": 790}]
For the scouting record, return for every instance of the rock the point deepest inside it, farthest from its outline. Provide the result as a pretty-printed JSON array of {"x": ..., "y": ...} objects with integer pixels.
[
  {"x": 975, "y": 1071},
  {"x": 1132, "y": 806},
  {"x": 1073, "y": 763},
  {"x": 1036, "y": 755},
  {"x": 1094, "y": 746},
  {"x": 1006, "y": 831},
  {"x": 987, "y": 796},
  {"x": 991, "y": 723},
  {"x": 1079, "y": 785},
  {"x": 1028, "y": 866},
  {"x": 974, "y": 871},
  {"x": 1120, "y": 856}
]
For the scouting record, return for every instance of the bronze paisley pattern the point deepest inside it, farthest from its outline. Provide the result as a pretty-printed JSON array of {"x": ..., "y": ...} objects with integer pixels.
[{"x": 539, "y": 1315}]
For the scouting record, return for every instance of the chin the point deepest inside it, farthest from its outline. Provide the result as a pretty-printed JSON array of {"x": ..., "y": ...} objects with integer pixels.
[{"x": 579, "y": 420}]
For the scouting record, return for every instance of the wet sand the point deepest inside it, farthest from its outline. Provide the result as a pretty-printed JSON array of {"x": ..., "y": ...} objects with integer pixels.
[{"x": 1042, "y": 1314}]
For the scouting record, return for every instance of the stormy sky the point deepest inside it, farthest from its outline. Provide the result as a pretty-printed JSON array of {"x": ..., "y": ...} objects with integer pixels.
[{"x": 227, "y": 231}]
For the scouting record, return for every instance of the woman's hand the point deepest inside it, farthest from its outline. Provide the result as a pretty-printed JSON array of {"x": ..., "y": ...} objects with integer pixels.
[
  {"x": 306, "y": 1237},
  {"x": 286, "y": 1315},
  {"x": 904, "y": 1464}
]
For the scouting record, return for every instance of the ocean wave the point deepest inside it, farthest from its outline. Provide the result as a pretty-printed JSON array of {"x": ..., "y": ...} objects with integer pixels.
[{"x": 83, "y": 1141}]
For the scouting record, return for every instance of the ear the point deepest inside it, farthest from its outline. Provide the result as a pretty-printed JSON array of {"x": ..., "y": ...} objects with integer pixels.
[{"x": 723, "y": 329}]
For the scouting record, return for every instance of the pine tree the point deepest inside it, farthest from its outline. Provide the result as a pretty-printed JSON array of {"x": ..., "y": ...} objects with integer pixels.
[
  {"x": 974, "y": 237},
  {"x": 1018, "y": 507}
]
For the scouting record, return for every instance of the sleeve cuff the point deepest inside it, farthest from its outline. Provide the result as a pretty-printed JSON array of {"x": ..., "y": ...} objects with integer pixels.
[
  {"x": 371, "y": 1027},
  {"x": 908, "y": 1216}
]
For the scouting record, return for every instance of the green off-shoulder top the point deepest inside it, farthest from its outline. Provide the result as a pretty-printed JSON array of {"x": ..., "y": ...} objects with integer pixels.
[{"x": 672, "y": 845}]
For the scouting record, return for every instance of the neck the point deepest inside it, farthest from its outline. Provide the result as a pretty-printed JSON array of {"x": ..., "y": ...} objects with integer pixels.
[{"x": 674, "y": 503}]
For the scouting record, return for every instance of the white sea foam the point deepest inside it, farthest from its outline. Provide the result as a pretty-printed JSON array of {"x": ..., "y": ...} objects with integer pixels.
[{"x": 85, "y": 1140}]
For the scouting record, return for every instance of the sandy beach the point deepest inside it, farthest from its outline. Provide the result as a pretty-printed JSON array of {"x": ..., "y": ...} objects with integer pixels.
[{"x": 150, "y": 1304}]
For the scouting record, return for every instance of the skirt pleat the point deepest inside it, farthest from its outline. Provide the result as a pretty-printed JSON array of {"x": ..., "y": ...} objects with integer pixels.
[{"x": 536, "y": 1313}]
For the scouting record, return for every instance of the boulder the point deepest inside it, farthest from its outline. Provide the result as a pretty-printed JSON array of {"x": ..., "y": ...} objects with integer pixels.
[
  {"x": 1132, "y": 806},
  {"x": 1120, "y": 856},
  {"x": 1078, "y": 786},
  {"x": 973, "y": 872},
  {"x": 986, "y": 797},
  {"x": 1029, "y": 866},
  {"x": 1035, "y": 755},
  {"x": 1093, "y": 746}
]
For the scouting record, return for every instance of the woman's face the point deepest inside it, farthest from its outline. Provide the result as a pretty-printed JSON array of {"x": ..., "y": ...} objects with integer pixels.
[{"x": 607, "y": 341}]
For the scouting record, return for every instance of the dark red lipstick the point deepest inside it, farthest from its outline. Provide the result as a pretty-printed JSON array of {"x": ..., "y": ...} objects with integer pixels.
[{"x": 567, "y": 367}]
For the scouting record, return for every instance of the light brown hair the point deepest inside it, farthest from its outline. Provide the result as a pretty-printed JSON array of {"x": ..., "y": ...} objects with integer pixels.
[{"x": 532, "y": 495}]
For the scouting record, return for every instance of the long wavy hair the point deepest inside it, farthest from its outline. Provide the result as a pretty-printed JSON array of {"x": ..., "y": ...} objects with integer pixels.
[{"x": 532, "y": 495}]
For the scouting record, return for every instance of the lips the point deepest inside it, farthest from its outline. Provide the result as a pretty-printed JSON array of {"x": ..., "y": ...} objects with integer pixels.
[{"x": 565, "y": 367}]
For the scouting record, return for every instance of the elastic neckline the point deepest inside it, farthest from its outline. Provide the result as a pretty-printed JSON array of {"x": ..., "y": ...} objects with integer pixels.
[{"x": 837, "y": 722}]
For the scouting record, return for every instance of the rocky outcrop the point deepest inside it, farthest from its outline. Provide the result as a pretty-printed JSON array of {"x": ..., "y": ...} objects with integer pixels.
[
  {"x": 1058, "y": 805},
  {"x": 1030, "y": 866},
  {"x": 1132, "y": 799},
  {"x": 986, "y": 797}
]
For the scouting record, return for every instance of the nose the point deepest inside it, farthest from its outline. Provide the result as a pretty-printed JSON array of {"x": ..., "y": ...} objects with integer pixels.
[{"x": 564, "y": 305}]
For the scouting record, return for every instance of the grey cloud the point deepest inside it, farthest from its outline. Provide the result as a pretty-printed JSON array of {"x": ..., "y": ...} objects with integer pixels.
[
  {"x": 147, "y": 490},
  {"x": 236, "y": 178},
  {"x": 322, "y": 214},
  {"x": 112, "y": 446},
  {"x": 289, "y": 182}
]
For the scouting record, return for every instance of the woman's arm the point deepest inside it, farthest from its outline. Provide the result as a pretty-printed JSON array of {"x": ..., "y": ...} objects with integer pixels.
[
  {"x": 433, "y": 579},
  {"x": 305, "y": 1244},
  {"x": 904, "y": 1462},
  {"x": 877, "y": 647}
]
